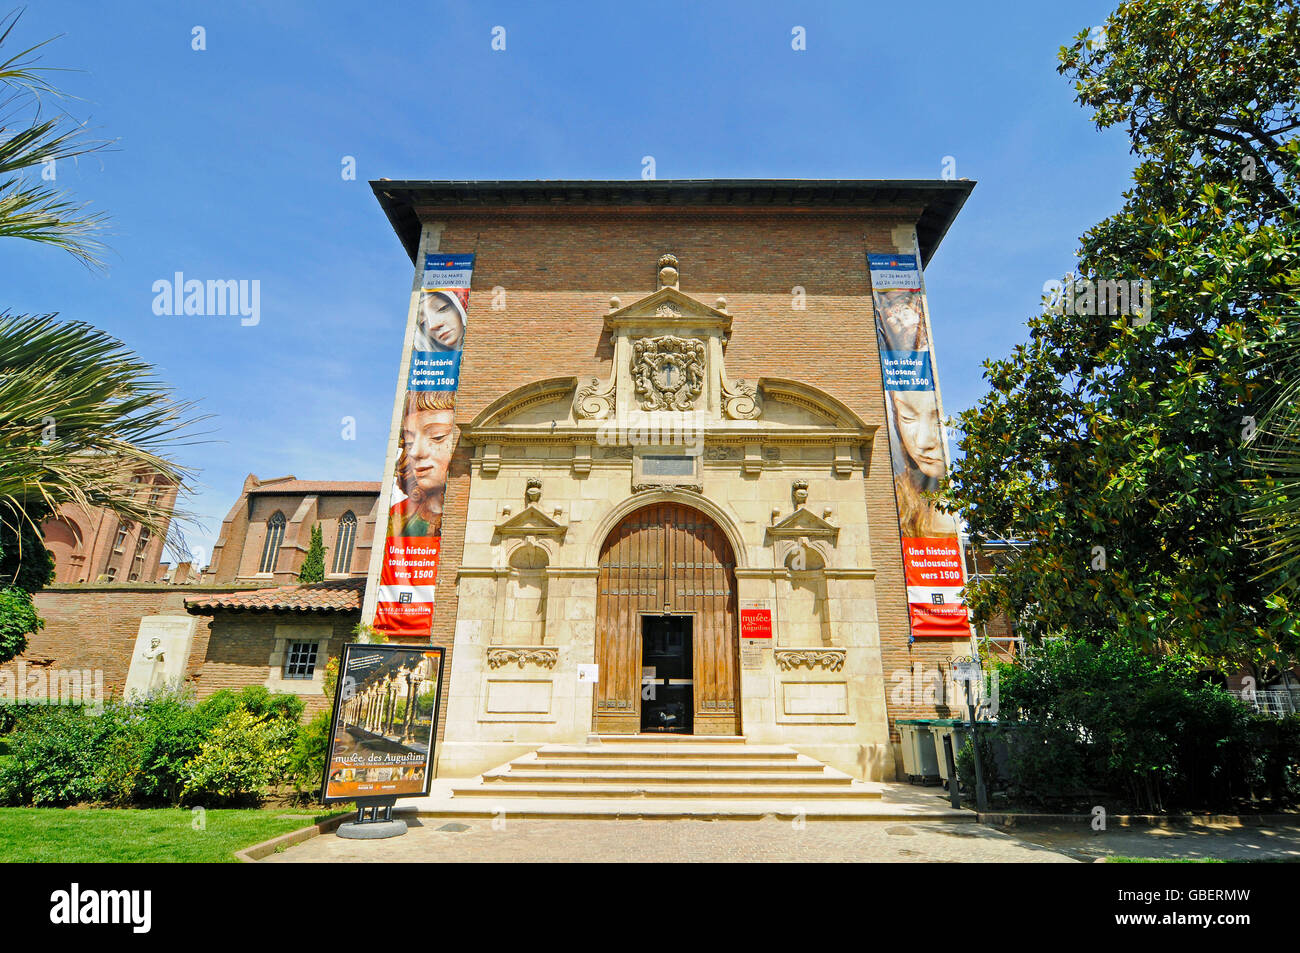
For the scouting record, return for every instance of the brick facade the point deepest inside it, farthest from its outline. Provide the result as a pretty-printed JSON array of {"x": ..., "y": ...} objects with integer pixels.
[
  {"x": 93, "y": 545},
  {"x": 301, "y": 504},
  {"x": 560, "y": 267}
]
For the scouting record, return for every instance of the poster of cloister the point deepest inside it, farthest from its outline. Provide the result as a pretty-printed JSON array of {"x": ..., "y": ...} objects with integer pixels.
[{"x": 385, "y": 720}]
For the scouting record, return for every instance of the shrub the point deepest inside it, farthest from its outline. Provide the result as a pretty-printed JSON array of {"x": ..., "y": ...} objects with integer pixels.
[
  {"x": 173, "y": 730},
  {"x": 18, "y": 619},
  {"x": 1143, "y": 731},
  {"x": 55, "y": 756},
  {"x": 244, "y": 755},
  {"x": 141, "y": 752},
  {"x": 310, "y": 750}
]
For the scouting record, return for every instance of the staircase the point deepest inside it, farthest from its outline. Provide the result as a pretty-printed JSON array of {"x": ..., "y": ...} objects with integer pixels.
[{"x": 671, "y": 776}]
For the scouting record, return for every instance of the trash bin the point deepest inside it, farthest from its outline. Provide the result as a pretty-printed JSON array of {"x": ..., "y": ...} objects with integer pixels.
[
  {"x": 945, "y": 727},
  {"x": 919, "y": 763}
]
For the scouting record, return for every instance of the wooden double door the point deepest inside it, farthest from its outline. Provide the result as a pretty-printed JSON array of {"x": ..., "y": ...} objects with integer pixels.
[{"x": 666, "y": 595}]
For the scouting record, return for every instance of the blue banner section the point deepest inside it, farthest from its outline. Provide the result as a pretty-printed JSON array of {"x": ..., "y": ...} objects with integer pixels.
[
  {"x": 447, "y": 271},
  {"x": 894, "y": 271},
  {"x": 906, "y": 370},
  {"x": 434, "y": 370}
]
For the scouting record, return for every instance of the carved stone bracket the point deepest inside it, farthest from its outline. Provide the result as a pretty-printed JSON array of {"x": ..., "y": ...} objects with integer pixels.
[
  {"x": 830, "y": 659},
  {"x": 544, "y": 657}
]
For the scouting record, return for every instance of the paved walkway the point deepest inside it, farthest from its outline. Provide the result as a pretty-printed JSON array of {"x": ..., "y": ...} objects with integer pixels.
[
  {"x": 659, "y": 841},
  {"x": 481, "y": 839},
  {"x": 1195, "y": 843}
]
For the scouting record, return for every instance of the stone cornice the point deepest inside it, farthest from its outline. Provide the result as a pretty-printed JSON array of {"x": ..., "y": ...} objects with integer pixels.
[
  {"x": 737, "y": 432},
  {"x": 495, "y": 572},
  {"x": 780, "y": 572}
]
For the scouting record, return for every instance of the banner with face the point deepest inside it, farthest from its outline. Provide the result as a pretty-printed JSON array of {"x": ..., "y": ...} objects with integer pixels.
[
  {"x": 425, "y": 439},
  {"x": 932, "y": 557}
]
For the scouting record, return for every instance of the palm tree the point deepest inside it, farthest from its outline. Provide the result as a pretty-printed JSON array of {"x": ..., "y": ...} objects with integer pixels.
[
  {"x": 1274, "y": 454},
  {"x": 28, "y": 208},
  {"x": 82, "y": 413}
]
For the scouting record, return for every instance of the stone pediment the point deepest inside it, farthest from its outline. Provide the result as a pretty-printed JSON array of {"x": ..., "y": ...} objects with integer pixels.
[
  {"x": 804, "y": 523},
  {"x": 667, "y": 310},
  {"x": 531, "y": 521}
]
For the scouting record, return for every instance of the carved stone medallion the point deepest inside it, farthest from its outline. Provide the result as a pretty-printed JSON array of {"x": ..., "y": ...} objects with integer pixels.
[{"x": 668, "y": 372}]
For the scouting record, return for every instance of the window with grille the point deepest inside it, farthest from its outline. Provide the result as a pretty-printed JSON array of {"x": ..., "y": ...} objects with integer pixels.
[
  {"x": 343, "y": 543},
  {"x": 271, "y": 548},
  {"x": 300, "y": 661},
  {"x": 121, "y": 538}
]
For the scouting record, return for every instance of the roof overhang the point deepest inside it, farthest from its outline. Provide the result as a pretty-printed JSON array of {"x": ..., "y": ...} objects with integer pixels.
[{"x": 937, "y": 200}]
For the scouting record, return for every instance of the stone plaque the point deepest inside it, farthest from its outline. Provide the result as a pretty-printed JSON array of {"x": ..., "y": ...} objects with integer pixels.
[
  {"x": 751, "y": 652},
  {"x": 664, "y": 465}
]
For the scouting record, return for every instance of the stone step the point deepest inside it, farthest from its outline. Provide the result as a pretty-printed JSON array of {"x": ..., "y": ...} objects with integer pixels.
[
  {"x": 613, "y": 809},
  {"x": 658, "y": 738},
  {"x": 702, "y": 791},
  {"x": 603, "y": 765},
  {"x": 743, "y": 752},
  {"x": 520, "y": 775}
]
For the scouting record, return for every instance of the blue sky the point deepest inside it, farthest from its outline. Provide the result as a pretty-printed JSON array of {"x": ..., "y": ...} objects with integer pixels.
[{"x": 226, "y": 164}]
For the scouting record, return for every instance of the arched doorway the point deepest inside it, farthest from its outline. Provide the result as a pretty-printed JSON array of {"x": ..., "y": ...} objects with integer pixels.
[{"x": 666, "y": 600}]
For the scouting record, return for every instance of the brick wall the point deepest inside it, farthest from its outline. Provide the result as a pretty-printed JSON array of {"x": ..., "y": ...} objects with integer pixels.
[
  {"x": 237, "y": 646},
  {"x": 94, "y": 626}
]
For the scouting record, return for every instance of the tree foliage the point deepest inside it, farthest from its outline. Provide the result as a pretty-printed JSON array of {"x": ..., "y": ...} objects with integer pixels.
[
  {"x": 31, "y": 138},
  {"x": 313, "y": 564},
  {"x": 1115, "y": 445}
]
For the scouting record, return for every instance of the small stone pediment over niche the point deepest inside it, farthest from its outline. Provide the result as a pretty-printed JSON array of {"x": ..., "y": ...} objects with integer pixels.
[
  {"x": 531, "y": 521},
  {"x": 669, "y": 306},
  {"x": 803, "y": 522}
]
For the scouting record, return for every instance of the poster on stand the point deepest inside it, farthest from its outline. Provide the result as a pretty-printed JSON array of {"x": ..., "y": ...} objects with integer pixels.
[{"x": 381, "y": 742}]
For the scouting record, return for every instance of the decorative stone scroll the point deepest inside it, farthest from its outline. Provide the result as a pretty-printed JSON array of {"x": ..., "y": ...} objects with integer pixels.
[
  {"x": 543, "y": 657},
  {"x": 830, "y": 659},
  {"x": 668, "y": 372},
  {"x": 594, "y": 400},
  {"x": 740, "y": 401}
]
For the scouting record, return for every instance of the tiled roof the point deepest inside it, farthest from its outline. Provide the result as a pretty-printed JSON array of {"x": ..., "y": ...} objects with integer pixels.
[
  {"x": 333, "y": 596},
  {"x": 319, "y": 486}
]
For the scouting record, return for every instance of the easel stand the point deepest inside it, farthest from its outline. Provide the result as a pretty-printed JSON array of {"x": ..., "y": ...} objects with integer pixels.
[{"x": 375, "y": 826}]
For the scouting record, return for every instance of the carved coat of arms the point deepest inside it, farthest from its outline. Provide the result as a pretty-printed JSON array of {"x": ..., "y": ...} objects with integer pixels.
[{"x": 668, "y": 372}]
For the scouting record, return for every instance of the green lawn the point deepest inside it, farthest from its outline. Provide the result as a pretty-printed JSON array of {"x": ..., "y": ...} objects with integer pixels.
[
  {"x": 38, "y": 834},
  {"x": 1200, "y": 860}
]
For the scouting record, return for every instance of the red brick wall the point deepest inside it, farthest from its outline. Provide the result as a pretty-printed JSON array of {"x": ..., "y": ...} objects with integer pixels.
[
  {"x": 560, "y": 267},
  {"x": 94, "y": 627}
]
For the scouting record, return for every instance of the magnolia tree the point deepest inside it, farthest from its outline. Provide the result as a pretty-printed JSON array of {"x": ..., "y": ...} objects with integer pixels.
[{"x": 1116, "y": 442}]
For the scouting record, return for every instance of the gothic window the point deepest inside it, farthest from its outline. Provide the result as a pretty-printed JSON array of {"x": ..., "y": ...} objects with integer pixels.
[
  {"x": 343, "y": 544},
  {"x": 271, "y": 548}
]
